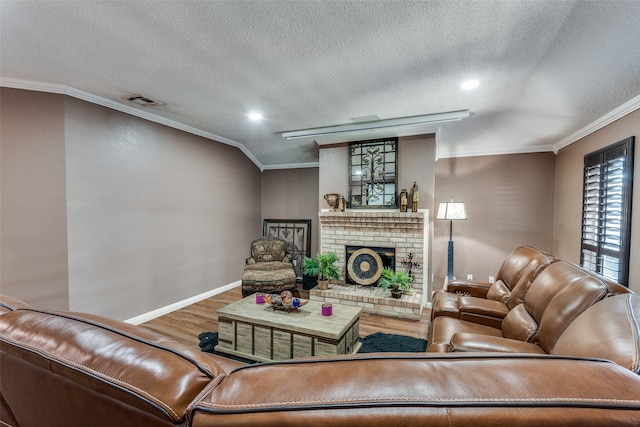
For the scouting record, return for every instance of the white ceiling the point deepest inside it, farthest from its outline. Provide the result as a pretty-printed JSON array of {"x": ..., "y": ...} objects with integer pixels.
[{"x": 547, "y": 69}]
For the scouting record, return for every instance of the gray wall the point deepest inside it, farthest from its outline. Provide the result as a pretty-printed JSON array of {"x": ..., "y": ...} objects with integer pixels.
[
  {"x": 568, "y": 201},
  {"x": 153, "y": 215},
  {"x": 292, "y": 194},
  {"x": 33, "y": 213},
  {"x": 509, "y": 201}
]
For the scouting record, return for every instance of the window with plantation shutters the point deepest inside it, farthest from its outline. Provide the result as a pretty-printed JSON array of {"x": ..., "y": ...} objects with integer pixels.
[{"x": 606, "y": 211}]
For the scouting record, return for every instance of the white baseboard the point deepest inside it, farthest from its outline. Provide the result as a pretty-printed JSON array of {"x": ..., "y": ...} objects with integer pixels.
[{"x": 180, "y": 304}]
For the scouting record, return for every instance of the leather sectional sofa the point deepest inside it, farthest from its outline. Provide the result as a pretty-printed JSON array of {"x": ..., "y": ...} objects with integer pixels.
[
  {"x": 61, "y": 368},
  {"x": 488, "y": 303}
]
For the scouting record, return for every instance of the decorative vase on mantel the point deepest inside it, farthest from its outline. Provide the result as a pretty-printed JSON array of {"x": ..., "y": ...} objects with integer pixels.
[{"x": 332, "y": 200}]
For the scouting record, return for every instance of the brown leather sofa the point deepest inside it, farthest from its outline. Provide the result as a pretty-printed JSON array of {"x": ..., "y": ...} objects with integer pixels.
[
  {"x": 488, "y": 303},
  {"x": 557, "y": 295},
  {"x": 69, "y": 369}
]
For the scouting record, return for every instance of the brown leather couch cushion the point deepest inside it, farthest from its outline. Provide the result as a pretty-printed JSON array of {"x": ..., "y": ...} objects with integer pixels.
[
  {"x": 96, "y": 372},
  {"x": 591, "y": 334}
]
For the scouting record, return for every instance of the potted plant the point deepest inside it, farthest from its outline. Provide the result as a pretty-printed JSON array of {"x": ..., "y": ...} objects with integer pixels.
[
  {"x": 323, "y": 267},
  {"x": 397, "y": 281},
  {"x": 310, "y": 271}
]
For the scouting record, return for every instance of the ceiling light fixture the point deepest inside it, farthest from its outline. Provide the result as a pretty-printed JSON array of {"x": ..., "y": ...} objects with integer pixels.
[
  {"x": 469, "y": 84},
  {"x": 378, "y": 124},
  {"x": 255, "y": 116}
]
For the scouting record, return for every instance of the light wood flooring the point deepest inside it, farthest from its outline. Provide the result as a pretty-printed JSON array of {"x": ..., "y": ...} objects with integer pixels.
[{"x": 185, "y": 324}]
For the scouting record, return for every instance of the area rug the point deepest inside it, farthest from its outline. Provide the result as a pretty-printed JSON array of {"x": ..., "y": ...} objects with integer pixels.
[
  {"x": 374, "y": 343},
  {"x": 380, "y": 342}
]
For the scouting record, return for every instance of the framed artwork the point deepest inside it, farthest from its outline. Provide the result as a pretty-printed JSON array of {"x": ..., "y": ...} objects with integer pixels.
[{"x": 297, "y": 235}]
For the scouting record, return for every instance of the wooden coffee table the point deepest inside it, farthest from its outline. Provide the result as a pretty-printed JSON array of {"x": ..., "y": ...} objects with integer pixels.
[{"x": 258, "y": 332}]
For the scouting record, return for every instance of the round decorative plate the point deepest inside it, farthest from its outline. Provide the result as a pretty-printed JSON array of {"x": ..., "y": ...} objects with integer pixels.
[{"x": 365, "y": 266}]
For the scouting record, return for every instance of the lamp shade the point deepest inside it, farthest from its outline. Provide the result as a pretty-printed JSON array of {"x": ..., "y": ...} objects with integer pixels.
[{"x": 452, "y": 210}]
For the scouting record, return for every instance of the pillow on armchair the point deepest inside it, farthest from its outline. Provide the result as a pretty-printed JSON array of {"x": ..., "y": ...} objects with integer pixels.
[{"x": 268, "y": 249}]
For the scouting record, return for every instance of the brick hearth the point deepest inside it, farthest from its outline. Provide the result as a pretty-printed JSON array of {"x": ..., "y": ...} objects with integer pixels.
[{"x": 372, "y": 300}]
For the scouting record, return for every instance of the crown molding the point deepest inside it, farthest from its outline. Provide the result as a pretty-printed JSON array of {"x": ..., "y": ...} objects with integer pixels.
[
  {"x": 626, "y": 108},
  {"x": 114, "y": 105},
  {"x": 292, "y": 166},
  {"x": 523, "y": 150}
]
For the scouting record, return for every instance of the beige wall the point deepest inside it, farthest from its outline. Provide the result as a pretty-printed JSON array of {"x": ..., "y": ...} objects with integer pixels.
[
  {"x": 33, "y": 222},
  {"x": 292, "y": 194},
  {"x": 568, "y": 214},
  {"x": 153, "y": 215},
  {"x": 509, "y": 201}
]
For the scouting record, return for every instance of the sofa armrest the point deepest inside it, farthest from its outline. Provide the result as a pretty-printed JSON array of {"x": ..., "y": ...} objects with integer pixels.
[
  {"x": 483, "y": 311},
  {"x": 465, "y": 341},
  {"x": 469, "y": 288},
  {"x": 8, "y": 304}
]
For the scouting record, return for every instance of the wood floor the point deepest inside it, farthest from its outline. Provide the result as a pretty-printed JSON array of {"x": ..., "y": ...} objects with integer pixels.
[{"x": 185, "y": 324}]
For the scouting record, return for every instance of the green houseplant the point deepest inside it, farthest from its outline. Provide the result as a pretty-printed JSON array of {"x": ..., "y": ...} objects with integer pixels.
[
  {"x": 397, "y": 281},
  {"x": 323, "y": 266}
]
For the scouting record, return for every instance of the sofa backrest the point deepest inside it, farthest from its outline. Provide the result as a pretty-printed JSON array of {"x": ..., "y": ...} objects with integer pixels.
[
  {"x": 93, "y": 371},
  {"x": 560, "y": 293},
  {"x": 609, "y": 330},
  {"x": 516, "y": 273}
]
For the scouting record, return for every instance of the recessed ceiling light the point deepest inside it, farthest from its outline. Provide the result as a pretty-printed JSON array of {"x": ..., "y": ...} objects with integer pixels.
[
  {"x": 255, "y": 116},
  {"x": 469, "y": 84}
]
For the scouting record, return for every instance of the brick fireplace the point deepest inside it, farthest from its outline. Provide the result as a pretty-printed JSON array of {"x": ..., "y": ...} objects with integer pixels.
[{"x": 405, "y": 232}]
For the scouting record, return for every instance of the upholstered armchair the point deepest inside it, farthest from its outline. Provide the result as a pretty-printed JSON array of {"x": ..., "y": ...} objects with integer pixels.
[{"x": 269, "y": 268}]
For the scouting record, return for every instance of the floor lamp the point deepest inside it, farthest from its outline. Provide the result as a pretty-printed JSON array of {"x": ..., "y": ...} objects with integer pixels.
[{"x": 451, "y": 211}]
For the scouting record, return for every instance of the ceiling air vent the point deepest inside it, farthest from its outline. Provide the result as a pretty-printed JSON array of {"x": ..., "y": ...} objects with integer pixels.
[{"x": 143, "y": 101}]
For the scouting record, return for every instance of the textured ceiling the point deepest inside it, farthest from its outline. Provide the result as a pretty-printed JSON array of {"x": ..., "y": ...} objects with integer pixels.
[{"x": 546, "y": 68}]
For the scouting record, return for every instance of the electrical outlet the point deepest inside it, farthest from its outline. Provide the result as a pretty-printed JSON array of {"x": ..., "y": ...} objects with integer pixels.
[
  {"x": 469, "y": 276},
  {"x": 492, "y": 279}
]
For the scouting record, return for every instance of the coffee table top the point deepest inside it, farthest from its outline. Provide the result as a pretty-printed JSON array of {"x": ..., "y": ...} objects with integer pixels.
[{"x": 307, "y": 319}]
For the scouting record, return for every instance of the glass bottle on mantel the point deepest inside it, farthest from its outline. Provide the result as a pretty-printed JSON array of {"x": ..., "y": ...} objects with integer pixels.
[
  {"x": 404, "y": 200},
  {"x": 341, "y": 203}
]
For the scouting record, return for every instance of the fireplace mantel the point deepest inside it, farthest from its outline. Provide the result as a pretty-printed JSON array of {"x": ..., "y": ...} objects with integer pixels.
[{"x": 377, "y": 219}]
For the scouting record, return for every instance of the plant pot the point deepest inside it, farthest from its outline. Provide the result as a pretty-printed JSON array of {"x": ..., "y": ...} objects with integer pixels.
[
  {"x": 323, "y": 285},
  {"x": 309, "y": 282},
  {"x": 396, "y": 293}
]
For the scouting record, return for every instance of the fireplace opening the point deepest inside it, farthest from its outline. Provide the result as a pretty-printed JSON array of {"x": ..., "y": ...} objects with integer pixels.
[{"x": 364, "y": 264}]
